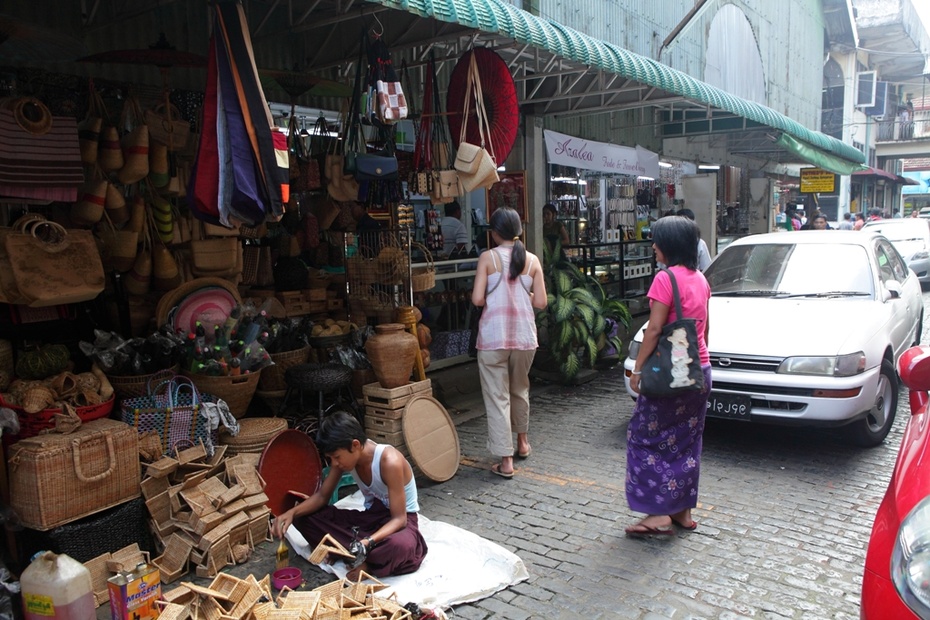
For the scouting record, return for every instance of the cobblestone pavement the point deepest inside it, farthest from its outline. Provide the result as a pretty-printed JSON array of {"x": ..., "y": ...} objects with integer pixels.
[{"x": 785, "y": 515}]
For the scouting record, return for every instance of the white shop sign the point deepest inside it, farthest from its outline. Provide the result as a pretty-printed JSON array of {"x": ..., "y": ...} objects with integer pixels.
[{"x": 599, "y": 156}]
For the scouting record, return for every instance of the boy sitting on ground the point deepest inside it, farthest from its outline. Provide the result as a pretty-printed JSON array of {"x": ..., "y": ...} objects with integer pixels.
[{"x": 388, "y": 528}]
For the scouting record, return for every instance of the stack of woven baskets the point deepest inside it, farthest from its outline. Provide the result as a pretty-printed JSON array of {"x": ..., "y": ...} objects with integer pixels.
[{"x": 254, "y": 435}]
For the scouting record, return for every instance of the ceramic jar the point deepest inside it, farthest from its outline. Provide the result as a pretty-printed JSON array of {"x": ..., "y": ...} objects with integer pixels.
[{"x": 392, "y": 352}]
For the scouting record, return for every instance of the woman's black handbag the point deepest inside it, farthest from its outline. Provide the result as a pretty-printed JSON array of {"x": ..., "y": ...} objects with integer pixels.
[{"x": 674, "y": 367}]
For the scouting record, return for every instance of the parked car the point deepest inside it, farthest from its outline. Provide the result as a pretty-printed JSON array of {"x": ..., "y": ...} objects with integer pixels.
[
  {"x": 805, "y": 328},
  {"x": 911, "y": 238},
  {"x": 896, "y": 580}
]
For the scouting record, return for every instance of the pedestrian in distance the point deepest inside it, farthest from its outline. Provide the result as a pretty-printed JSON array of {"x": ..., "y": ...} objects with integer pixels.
[
  {"x": 509, "y": 286},
  {"x": 665, "y": 435},
  {"x": 860, "y": 221},
  {"x": 390, "y": 542},
  {"x": 847, "y": 223},
  {"x": 703, "y": 253}
]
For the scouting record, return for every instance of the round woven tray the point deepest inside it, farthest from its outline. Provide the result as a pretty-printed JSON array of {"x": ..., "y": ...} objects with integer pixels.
[{"x": 254, "y": 434}]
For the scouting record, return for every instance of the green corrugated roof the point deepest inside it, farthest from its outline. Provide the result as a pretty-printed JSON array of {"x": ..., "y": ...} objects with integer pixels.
[{"x": 495, "y": 16}]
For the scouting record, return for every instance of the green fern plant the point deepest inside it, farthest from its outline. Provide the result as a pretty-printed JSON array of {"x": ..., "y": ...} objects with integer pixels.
[{"x": 575, "y": 324}]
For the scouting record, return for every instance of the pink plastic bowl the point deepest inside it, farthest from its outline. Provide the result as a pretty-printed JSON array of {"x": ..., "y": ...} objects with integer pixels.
[{"x": 290, "y": 577}]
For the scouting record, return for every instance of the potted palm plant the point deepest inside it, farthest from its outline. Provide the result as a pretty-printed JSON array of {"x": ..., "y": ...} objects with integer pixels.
[{"x": 577, "y": 325}]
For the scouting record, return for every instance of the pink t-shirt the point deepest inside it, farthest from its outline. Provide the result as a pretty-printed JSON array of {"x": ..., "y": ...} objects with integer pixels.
[{"x": 694, "y": 292}]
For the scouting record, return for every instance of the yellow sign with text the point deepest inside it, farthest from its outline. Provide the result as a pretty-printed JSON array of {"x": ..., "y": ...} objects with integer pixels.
[{"x": 817, "y": 181}]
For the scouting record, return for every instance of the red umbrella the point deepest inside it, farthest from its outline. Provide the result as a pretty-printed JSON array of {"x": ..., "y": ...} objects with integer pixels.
[{"x": 500, "y": 101}]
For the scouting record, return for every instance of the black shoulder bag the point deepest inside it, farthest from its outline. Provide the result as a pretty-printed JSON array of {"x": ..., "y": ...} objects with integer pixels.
[{"x": 674, "y": 367}]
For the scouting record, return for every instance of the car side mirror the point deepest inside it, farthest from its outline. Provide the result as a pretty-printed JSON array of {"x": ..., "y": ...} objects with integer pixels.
[{"x": 893, "y": 290}]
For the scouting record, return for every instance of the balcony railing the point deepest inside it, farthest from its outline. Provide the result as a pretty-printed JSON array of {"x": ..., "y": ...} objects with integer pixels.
[{"x": 902, "y": 129}]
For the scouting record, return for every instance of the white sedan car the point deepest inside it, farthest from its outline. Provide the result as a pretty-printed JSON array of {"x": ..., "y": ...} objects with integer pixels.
[{"x": 806, "y": 328}]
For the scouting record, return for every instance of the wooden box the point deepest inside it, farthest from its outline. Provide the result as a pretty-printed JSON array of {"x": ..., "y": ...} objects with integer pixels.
[
  {"x": 383, "y": 424},
  {"x": 394, "y": 398}
]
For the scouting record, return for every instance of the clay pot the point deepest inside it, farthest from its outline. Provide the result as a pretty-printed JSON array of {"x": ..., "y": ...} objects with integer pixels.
[{"x": 392, "y": 352}]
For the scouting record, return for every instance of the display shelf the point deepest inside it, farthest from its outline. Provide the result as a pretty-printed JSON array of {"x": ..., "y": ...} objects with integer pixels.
[{"x": 624, "y": 268}]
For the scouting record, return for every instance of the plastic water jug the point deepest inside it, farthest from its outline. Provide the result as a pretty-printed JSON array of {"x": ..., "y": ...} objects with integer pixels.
[{"x": 57, "y": 587}]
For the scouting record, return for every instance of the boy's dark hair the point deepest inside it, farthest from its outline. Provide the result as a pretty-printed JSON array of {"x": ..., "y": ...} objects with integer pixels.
[
  {"x": 677, "y": 237},
  {"x": 338, "y": 430}
]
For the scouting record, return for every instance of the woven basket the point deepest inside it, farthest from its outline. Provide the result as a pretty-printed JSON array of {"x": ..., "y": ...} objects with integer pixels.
[
  {"x": 31, "y": 424},
  {"x": 254, "y": 435},
  {"x": 237, "y": 391},
  {"x": 131, "y": 386},
  {"x": 272, "y": 379},
  {"x": 423, "y": 278}
]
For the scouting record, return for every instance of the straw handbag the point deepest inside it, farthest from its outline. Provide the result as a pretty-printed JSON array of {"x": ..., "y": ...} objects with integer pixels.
[
  {"x": 165, "y": 271},
  {"x": 476, "y": 165},
  {"x": 9, "y": 294},
  {"x": 135, "y": 144},
  {"x": 137, "y": 214},
  {"x": 163, "y": 218},
  {"x": 109, "y": 151},
  {"x": 53, "y": 266},
  {"x": 423, "y": 278},
  {"x": 89, "y": 128},
  {"x": 88, "y": 210},
  {"x": 159, "y": 173},
  {"x": 139, "y": 279},
  {"x": 167, "y": 127},
  {"x": 121, "y": 246},
  {"x": 115, "y": 205}
]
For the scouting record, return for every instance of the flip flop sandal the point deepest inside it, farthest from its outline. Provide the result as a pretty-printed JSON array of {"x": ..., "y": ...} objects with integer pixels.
[
  {"x": 647, "y": 532},
  {"x": 678, "y": 523},
  {"x": 496, "y": 470},
  {"x": 525, "y": 455}
]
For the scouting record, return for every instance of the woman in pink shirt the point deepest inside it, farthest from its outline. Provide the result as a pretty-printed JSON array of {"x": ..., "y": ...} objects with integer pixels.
[{"x": 665, "y": 435}]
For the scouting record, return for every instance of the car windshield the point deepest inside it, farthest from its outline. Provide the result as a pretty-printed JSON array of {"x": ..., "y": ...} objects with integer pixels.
[{"x": 786, "y": 270}]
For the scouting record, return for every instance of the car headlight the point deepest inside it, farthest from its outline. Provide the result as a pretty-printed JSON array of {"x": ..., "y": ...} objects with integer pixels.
[
  {"x": 910, "y": 559},
  {"x": 834, "y": 366},
  {"x": 633, "y": 351}
]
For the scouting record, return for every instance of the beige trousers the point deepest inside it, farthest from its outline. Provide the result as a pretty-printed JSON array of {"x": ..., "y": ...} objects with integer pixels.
[{"x": 505, "y": 385}]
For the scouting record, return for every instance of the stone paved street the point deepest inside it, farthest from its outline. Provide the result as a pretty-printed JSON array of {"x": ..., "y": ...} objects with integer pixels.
[{"x": 785, "y": 515}]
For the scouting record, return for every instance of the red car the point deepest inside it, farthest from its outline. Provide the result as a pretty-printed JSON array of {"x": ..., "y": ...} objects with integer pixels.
[{"x": 896, "y": 582}]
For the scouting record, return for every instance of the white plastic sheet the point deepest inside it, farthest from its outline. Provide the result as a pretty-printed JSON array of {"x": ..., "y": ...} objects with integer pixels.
[{"x": 460, "y": 566}]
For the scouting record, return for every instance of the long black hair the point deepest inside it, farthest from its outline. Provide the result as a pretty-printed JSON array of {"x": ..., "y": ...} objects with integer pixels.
[
  {"x": 677, "y": 237},
  {"x": 506, "y": 223}
]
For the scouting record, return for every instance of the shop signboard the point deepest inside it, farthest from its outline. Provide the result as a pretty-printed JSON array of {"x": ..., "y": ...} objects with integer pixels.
[
  {"x": 817, "y": 181},
  {"x": 566, "y": 150}
]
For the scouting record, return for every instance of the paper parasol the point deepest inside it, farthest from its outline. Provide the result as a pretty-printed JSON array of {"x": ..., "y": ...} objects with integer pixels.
[
  {"x": 500, "y": 101},
  {"x": 295, "y": 84},
  {"x": 161, "y": 54},
  {"x": 24, "y": 42}
]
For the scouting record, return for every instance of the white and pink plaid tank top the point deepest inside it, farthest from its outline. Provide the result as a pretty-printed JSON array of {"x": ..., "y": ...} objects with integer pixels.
[{"x": 508, "y": 320}]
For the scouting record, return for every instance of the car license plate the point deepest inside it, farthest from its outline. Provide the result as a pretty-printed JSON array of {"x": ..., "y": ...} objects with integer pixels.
[{"x": 733, "y": 406}]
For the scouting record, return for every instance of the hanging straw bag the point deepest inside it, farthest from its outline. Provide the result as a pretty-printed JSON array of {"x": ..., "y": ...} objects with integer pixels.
[
  {"x": 53, "y": 266},
  {"x": 121, "y": 246},
  {"x": 423, "y": 278},
  {"x": 9, "y": 294},
  {"x": 89, "y": 128},
  {"x": 135, "y": 144},
  {"x": 167, "y": 127},
  {"x": 89, "y": 208},
  {"x": 476, "y": 165},
  {"x": 139, "y": 279}
]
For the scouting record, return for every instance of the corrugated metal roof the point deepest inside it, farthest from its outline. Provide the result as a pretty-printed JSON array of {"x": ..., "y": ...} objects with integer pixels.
[{"x": 498, "y": 17}]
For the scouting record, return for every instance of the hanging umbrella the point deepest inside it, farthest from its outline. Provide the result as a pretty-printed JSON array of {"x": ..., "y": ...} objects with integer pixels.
[
  {"x": 296, "y": 83},
  {"x": 500, "y": 101},
  {"x": 161, "y": 54}
]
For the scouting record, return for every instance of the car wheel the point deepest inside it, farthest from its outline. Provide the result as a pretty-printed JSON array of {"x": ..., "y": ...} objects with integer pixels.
[
  {"x": 873, "y": 428},
  {"x": 920, "y": 330}
]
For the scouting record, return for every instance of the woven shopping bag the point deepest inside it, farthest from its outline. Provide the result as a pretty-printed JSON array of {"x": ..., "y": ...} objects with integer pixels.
[{"x": 174, "y": 409}]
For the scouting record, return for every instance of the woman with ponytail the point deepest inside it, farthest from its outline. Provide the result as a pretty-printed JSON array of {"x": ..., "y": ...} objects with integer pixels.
[{"x": 509, "y": 285}]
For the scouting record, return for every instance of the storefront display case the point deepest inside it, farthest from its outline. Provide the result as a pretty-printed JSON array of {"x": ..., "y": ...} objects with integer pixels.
[{"x": 625, "y": 269}]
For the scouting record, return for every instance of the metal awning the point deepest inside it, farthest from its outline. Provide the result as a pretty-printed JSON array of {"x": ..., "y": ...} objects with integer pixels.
[
  {"x": 878, "y": 173},
  {"x": 561, "y": 71}
]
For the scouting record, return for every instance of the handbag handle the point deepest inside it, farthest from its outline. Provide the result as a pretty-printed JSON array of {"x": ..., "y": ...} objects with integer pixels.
[
  {"x": 78, "y": 468},
  {"x": 54, "y": 244},
  {"x": 675, "y": 295},
  {"x": 174, "y": 392}
]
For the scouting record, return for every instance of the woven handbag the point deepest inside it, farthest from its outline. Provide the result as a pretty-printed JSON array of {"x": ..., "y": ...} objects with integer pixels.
[{"x": 172, "y": 408}]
